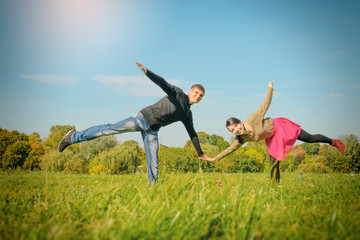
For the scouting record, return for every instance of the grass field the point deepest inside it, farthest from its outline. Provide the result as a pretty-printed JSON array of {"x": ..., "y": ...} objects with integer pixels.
[{"x": 181, "y": 206}]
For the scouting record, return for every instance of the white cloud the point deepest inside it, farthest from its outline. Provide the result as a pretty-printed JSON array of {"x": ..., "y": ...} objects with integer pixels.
[
  {"x": 53, "y": 79},
  {"x": 136, "y": 85},
  {"x": 335, "y": 95},
  {"x": 337, "y": 54}
]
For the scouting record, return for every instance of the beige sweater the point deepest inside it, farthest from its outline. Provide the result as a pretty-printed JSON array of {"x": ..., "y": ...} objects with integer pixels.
[{"x": 263, "y": 128}]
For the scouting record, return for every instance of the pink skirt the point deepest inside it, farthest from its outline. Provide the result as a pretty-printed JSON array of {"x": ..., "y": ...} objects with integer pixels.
[{"x": 285, "y": 135}]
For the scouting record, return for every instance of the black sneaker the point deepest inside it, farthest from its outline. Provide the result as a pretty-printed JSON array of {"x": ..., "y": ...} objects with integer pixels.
[{"x": 66, "y": 141}]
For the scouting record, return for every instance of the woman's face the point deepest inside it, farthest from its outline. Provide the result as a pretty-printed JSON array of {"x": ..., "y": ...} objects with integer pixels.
[{"x": 237, "y": 129}]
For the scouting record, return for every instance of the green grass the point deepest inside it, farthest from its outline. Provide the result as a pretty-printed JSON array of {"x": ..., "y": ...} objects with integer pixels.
[{"x": 181, "y": 206}]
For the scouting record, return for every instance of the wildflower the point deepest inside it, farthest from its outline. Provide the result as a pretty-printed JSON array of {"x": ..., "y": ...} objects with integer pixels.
[{"x": 219, "y": 182}]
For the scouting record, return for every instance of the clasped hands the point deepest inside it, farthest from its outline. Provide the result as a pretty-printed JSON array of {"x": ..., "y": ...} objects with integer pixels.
[{"x": 205, "y": 158}]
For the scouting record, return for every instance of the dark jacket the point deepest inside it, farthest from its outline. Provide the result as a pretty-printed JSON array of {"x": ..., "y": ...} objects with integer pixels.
[{"x": 171, "y": 108}]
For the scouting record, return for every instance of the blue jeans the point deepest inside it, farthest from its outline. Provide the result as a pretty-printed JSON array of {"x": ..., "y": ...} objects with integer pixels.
[{"x": 131, "y": 124}]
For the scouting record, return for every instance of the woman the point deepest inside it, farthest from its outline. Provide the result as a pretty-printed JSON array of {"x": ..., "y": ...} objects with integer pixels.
[{"x": 280, "y": 134}]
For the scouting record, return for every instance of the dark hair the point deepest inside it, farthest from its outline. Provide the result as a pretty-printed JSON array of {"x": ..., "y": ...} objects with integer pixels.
[
  {"x": 199, "y": 86},
  {"x": 231, "y": 121}
]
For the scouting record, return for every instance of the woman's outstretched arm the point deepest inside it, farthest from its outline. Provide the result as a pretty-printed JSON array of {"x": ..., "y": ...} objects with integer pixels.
[
  {"x": 265, "y": 105},
  {"x": 236, "y": 144}
]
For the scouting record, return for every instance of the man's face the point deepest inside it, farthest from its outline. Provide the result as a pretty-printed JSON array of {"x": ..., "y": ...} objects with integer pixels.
[{"x": 195, "y": 95}]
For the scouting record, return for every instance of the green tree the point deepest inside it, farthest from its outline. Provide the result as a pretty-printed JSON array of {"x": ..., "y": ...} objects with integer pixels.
[
  {"x": 34, "y": 138},
  {"x": 311, "y": 148},
  {"x": 91, "y": 148},
  {"x": 8, "y": 138},
  {"x": 352, "y": 154},
  {"x": 213, "y": 139},
  {"x": 15, "y": 155},
  {"x": 334, "y": 159},
  {"x": 219, "y": 142},
  {"x": 33, "y": 160},
  {"x": 57, "y": 132},
  {"x": 203, "y": 137}
]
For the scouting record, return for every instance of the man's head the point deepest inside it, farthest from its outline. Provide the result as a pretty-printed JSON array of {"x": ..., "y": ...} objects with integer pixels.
[{"x": 196, "y": 93}]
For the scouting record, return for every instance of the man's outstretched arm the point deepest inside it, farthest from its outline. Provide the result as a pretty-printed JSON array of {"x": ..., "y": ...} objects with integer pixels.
[
  {"x": 161, "y": 82},
  {"x": 195, "y": 140}
]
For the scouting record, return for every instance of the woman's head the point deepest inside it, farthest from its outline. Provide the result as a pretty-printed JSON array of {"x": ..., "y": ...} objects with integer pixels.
[{"x": 235, "y": 126}]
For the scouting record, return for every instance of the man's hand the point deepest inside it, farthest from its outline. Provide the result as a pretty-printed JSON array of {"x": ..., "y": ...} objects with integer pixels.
[
  {"x": 205, "y": 158},
  {"x": 141, "y": 67}
]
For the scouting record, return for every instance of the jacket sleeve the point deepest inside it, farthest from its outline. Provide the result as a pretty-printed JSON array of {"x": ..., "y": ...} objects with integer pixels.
[
  {"x": 193, "y": 136},
  {"x": 260, "y": 113},
  {"x": 236, "y": 144},
  {"x": 161, "y": 82}
]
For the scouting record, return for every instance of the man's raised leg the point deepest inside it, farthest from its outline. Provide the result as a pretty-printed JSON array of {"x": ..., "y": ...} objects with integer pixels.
[{"x": 131, "y": 124}]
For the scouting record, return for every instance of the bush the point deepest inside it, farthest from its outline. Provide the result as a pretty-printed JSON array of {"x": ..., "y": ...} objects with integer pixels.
[
  {"x": 77, "y": 167},
  {"x": 55, "y": 161},
  {"x": 90, "y": 149},
  {"x": 241, "y": 160},
  {"x": 226, "y": 165},
  {"x": 314, "y": 165},
  {"x": 178, "y": 160},
  {"x": 121, "y": 159},
  {"x": 334, "y": 159},
  {"x": 98, "y": 169}
]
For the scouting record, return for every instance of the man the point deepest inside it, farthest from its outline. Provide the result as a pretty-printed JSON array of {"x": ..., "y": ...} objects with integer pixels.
[{"x": 175, "y": 106}]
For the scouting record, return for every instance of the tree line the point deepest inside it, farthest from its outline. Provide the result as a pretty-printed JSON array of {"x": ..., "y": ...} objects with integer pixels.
[{"x": 106, "y": 155}]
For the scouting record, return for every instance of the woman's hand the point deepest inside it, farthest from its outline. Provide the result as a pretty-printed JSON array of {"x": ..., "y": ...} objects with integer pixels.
[
  {"x": 141, "y": 67},
  {"x": 270, "y": 85},
  {"x": 205, "y": 158}
]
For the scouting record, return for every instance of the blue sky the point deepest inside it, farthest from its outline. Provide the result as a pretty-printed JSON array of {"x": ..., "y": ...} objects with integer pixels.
[{"x": 72, "y": 62}]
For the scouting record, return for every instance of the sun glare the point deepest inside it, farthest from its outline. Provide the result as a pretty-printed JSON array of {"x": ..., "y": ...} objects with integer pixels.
[
  {"x": 74, "y": 20},
  {"x": 71, "y": 16}
]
